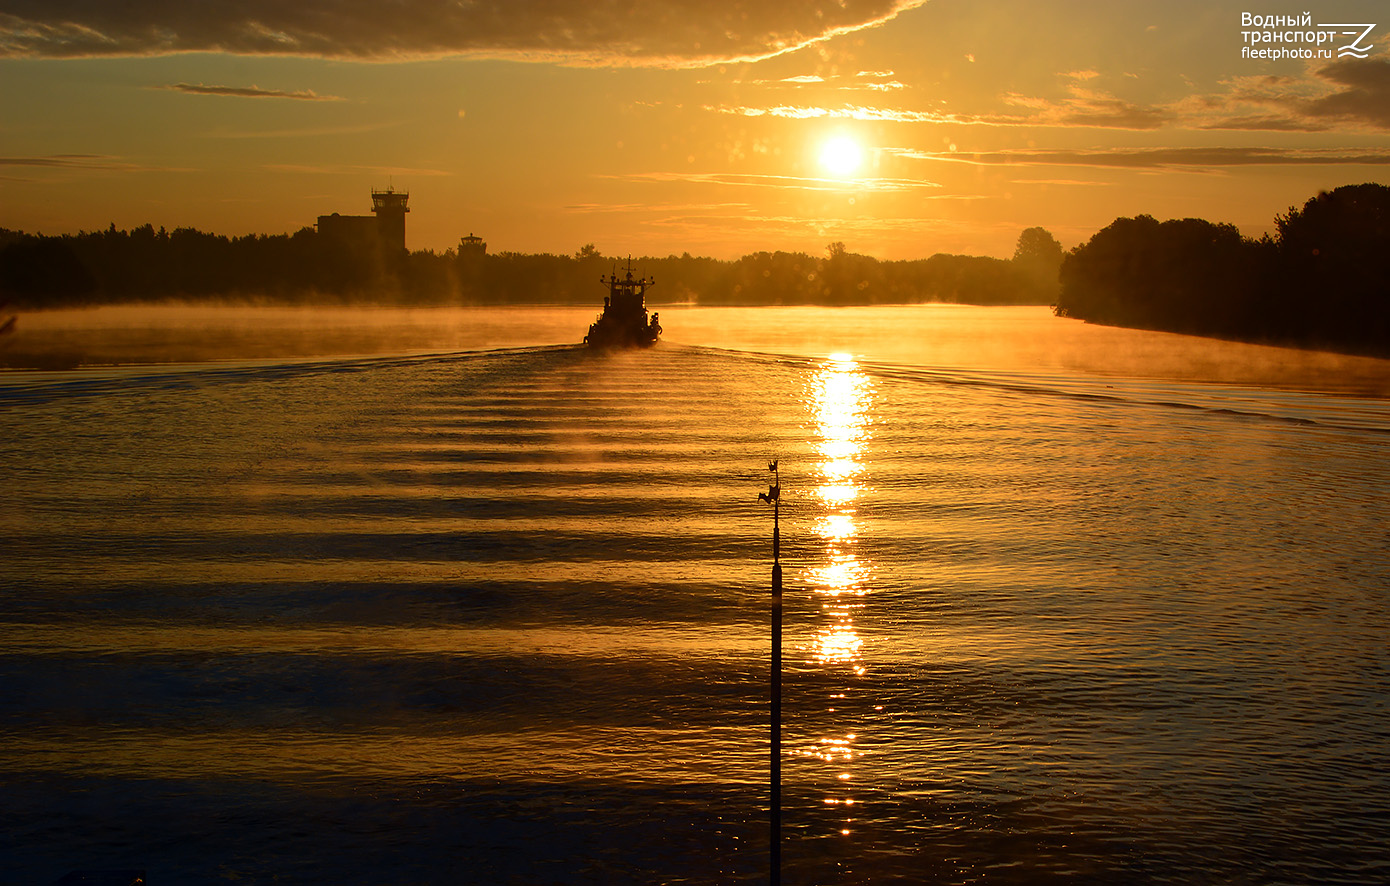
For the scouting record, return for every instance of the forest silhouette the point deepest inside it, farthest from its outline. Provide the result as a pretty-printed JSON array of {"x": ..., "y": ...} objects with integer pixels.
[
  {"x": 1319, "y": 281},
  {"x": 147, "y": 264}
]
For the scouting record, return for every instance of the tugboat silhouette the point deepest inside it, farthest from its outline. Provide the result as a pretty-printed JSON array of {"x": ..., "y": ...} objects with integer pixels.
[{"x": 624, "y": 323}]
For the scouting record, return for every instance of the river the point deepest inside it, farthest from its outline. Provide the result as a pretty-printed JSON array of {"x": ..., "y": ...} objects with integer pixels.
[{"x": 460, "y": 601}]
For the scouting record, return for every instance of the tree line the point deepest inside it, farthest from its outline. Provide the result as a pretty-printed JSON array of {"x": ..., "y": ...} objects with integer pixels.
[
  {"x": 1321, "y": 280},
  {"x": 149, "y": 264}
]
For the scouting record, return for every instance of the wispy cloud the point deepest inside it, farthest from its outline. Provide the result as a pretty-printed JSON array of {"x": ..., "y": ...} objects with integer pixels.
[
  {"x": 50, "y": 167},
  {"x": 1361, "y": 92},
  {"x": 349, "y": 169},
  {"x": 70, "y": 161},
  {"x": 250, "y": 92},
  {"x": 303, "y": 132},
  {"x": 1344, "y": 95},
  {"x": 1063, "y": 182},
  {"x": 881, "y": 86},
  {"x": 871, "y": 81},
  {"x": 1166, "y": 158},
  {"x": 1351, "y": 94},
  {"x": 676, "y": 33},
  {"x": 784, "y": 182},
  {"x": 1085, "y": 106},
  {"x": 849, "y": 112},
  {"x": 1082, "y": 108},
  {"x": 663, "y": 207}
]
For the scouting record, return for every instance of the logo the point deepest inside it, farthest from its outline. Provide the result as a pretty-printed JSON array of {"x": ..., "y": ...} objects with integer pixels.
[
  {"x": 1289, "y": 31},
  {"x": 1354, "y": 47}
]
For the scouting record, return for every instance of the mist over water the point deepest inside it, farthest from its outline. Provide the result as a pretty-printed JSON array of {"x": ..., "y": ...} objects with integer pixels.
[
  {"x": 950, "y": 337},
  {"x": 501, "y": 615}
]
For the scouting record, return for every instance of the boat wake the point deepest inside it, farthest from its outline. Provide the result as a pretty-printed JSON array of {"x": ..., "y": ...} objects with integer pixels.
[
  {"x": 31, "y": 386},
  {"x": 1254, "y": 403}
]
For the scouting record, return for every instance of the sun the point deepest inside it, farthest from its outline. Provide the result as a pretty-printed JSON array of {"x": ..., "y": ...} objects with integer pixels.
[{"x": 841, "y": 155}]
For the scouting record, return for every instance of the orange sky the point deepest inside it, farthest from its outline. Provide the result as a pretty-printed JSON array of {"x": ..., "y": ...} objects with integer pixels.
[{"x": 667, "y": 127}]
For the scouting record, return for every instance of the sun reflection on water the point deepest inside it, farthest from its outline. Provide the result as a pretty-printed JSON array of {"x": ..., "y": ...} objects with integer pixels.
[{"x": 839, "y": 398}]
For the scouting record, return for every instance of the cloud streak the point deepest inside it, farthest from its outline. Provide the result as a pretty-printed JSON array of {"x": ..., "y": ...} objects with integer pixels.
[
  {"x": 347, "y": 169},
  {"x": 784, "y": 182},
  {"x": 1345, "y": 95},
  {"x": 664, "y": 33},
  {"x": 68, "y": 161},
  {"x": 872, "y": 81},
  {"x": 59, "y": 164},
  {"x": 1338, "y": 95},
  {"x": 849, "y": 112},
  {"x": 250, "y": 92},
  {"x": 1194, "y": 159}
]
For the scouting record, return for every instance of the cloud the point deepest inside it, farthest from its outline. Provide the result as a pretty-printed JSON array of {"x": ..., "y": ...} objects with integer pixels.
[
  {"x": 1361, "y": 94},
  {"x": 665, "y": 207},
  {"x": 250, "y": 92},
  {"x": 878, "y": 81},
  {"x": 1344, "y": 95},
  {"x": 68, "y": 161},
  {"x": 1063, "y": 182},
  {"x": 785, "y": 182},
  {"x": 303, "y": 132},
  {"x": 810, "y": 112},
  {"x": 1087, "y": 107},
  {"x": 348, "y": 169},
  {"x": 1195, "y": 159},
  {"x": 1081, "y": 107},
  {"x": 1100, "y": 112},
  {"x": 80, "y": 163},
  {"x": 665, "y": 33},
  {"x": 882, "y": 86}
]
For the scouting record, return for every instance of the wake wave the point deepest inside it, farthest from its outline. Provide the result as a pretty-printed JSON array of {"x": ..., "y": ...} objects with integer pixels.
[
  {"x": 30, "y": 387},
  {"x": 1311, "y": 410},
  {"x": 1286, "y": 407}
]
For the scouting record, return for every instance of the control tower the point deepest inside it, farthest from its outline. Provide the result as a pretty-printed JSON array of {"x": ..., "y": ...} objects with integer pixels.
[{"x": 390, "y": 209}]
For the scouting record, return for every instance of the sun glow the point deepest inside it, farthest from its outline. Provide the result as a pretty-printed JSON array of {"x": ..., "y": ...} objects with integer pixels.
[{"x": 841, "y": 155}]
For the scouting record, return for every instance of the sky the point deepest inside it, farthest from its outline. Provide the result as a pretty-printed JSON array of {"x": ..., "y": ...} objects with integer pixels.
[{"x": 901, "y": 128}]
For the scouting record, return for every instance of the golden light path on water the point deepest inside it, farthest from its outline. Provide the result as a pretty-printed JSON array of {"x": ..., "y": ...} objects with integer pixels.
[{"x": 840, "y": 399}]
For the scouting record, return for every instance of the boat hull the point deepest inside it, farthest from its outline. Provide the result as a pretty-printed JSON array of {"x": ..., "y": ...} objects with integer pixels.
[
  {"x": 607, "y": 335},
  {"x": 624, "y": 323}
]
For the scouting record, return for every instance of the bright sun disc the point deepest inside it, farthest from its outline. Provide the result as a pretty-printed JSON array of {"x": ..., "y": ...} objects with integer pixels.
[{"x": 841, "y": 155}]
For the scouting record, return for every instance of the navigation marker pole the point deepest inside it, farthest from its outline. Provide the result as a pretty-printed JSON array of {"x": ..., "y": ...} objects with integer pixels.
[{"x": 774, "y": 497}]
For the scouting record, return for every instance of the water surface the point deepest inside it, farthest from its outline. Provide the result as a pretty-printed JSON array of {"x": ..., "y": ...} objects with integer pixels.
[{"x": 501, "y": 615}]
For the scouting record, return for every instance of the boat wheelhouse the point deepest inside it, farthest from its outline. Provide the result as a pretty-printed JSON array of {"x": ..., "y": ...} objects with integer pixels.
[{"x": 624, "y": 322}]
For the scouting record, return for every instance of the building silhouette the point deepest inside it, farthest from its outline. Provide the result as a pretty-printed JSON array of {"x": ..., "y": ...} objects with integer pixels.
[
  {"x": 472, "y": 246},
  {"x": 389, "y": 208},
  {"x": 381, "y": 234}
]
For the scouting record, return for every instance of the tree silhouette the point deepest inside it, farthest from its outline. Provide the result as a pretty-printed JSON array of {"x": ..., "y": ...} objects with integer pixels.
[
  {"x": 1333, "y": 278},
  {"x": 1039, "y": 256},
  {"x": 1185, "y": 275},
  {"x": 1322, "y": 281},
  {"x": 1037, "y": 247}
]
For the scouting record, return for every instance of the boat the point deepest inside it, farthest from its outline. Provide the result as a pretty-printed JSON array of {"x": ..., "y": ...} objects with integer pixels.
[{"x": 624, "y": 323}]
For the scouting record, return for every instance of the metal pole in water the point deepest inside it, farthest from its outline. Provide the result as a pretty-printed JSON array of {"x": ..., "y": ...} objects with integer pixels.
[{"x": 774, "y": 496}]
